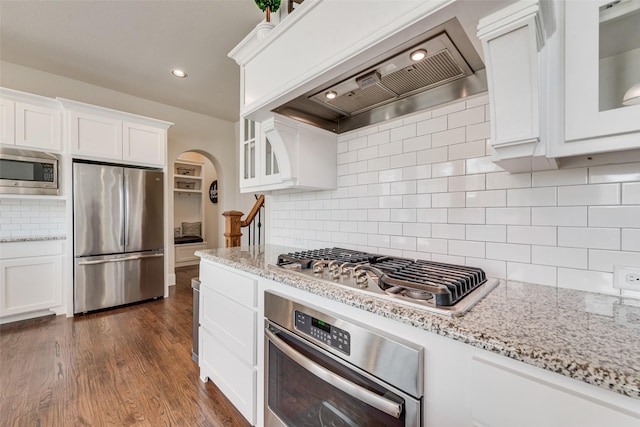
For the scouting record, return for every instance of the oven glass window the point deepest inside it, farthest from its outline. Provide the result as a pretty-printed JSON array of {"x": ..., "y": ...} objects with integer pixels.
[{"x": 301, "y": 399}]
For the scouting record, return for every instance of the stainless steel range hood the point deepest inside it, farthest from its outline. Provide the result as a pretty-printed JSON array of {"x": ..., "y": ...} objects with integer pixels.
[{"x": 392, "y": 85}]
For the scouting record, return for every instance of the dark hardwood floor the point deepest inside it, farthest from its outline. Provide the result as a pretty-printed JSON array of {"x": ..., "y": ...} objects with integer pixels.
[{"x": 122, "y": 367}]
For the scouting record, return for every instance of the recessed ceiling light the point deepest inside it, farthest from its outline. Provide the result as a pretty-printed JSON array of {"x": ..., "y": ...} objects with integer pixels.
[
  {"x": 178, "y": 73},
  {"x": 418, "y": 55},
  {"x": 330, "y": 94}
]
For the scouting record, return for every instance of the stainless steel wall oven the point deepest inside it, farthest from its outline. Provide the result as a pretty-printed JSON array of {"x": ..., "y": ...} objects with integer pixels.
[{"x": 324, "y": 370}]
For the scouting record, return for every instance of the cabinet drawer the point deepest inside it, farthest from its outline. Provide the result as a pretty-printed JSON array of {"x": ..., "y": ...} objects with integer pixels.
[
  {"x": 234, "y": 378},
  {"x": 235, "y": 286},
  {"x": 231, "y": 323}
]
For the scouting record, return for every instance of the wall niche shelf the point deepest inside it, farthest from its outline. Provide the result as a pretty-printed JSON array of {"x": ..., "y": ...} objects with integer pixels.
[{"x": 188, "y": 201}]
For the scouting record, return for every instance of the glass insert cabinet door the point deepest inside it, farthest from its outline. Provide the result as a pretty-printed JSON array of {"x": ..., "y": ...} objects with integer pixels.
[
  {"x": 602, "y": 71},
  {"x": 619, "y": 54},
  {"x": 249, "y": 150},
  {"x": 258, "y": 162},
  {"x": 271, "y": 162}
]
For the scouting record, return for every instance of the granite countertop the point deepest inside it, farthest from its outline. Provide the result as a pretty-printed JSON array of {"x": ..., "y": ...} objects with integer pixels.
[
  {"x": 590, "y": 337},
  {"x": 31, "y": 239}
]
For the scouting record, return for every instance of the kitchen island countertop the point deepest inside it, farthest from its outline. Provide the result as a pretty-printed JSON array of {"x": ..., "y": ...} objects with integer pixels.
[{"x": 586, "y": 336}]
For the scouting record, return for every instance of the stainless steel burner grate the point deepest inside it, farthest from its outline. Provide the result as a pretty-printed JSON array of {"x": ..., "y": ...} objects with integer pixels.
[{"x": 414, "y": 279}]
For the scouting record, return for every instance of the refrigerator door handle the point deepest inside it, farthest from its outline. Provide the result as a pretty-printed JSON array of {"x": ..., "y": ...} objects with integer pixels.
[
  {"x": 125, "y": 203},
  {"x": 129, "y": 258}
]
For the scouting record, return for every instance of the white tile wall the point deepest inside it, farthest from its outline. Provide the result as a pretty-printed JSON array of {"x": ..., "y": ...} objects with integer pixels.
[
  {"x": 423, "y": 187},
  {"x": 31, "y": 218}
]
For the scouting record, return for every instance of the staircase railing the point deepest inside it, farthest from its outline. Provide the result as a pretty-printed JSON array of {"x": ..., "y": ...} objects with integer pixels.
[{"x": 234, "y": 224}]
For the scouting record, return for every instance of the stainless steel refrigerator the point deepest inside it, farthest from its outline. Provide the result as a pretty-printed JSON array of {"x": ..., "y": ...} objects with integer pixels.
[{"x": 118, "y": 231}]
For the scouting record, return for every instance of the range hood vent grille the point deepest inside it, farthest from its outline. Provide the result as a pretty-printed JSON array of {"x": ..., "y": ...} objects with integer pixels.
[
  {"x": 393, "y": 85},
  {"x": 361, "y": 99},
  {"x": 436, "y": 69}
]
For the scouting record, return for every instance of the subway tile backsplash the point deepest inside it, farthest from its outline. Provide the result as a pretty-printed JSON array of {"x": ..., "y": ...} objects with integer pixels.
[
  {"x": 424, "y": 187},
  {"x": 32, "y": 218}
]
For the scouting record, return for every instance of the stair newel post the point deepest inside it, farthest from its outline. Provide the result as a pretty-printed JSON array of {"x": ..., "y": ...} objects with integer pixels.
[{"x": 232, "y": 233}]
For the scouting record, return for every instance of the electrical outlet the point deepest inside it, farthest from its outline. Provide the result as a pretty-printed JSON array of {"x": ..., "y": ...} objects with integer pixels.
[{"x": 626, "y": 277}]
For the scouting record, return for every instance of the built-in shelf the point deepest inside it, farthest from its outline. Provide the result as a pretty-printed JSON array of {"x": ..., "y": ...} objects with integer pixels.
[
  {"x": 188, "y": 178},
  {"x": 184, "y": 190}
]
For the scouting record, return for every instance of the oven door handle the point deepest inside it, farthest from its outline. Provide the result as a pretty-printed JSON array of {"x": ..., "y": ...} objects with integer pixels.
[{"x": 382, "y": 404}]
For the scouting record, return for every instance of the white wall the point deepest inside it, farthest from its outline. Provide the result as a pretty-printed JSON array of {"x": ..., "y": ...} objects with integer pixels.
[{"x": 424, "y": 187}]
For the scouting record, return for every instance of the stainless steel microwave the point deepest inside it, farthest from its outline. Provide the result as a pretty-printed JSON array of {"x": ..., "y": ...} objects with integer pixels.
[{"x": 28, "y": 172}]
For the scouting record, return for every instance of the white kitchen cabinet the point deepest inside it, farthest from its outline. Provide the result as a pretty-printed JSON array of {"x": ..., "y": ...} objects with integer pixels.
[
  {"x": 30, "y": 121},
  {"x": 249, "y": 137},
  {"x": 282, "y": 153},
  {"x": 259, "y": 165},
  {"x": 95, "y": 136},
  {"x": 7, "y": 121},
  {"x": 512, "y": 39},
  {"x": 601, "y": 61},
  {"x": 506, "y": 394},
  {"x": 103, "y": 134},
  {"x": 30, "y": 279},
  {"x": 143, "y": 144},
  {"x": 228, "y": 335}
]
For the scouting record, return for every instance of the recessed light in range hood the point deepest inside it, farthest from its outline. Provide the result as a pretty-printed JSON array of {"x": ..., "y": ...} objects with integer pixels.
[{"x": 396, "y": 85}]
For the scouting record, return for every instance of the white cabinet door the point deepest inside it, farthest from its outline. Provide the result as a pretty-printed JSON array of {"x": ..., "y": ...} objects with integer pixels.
[
  {"x": 143, "y": 144},
  {"x": 7, "y": 121},
  {"x": 507, "y": 395},
  {"x": 237, "y": 380},
  {"x": 228, "y": 334},
  {"x": 591, "y": 124},
  {"x": 95, "y": 136},
  {"x": 249, "y": 153},
  {"x": 37, "y": 126},
  {"x": 30, "y": 284},
  {"x": 231, "y": 323}
]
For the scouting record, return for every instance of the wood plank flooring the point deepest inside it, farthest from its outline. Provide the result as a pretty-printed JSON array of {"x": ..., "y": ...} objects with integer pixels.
[{"x": 123, "y": 367}]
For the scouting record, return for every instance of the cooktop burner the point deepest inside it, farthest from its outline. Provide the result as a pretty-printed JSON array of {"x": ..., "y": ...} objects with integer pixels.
[{"x": 439, "y": 287}]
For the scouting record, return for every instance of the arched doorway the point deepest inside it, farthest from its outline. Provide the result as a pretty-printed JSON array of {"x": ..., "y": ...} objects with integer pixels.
[{"x": 195, "y": 214}]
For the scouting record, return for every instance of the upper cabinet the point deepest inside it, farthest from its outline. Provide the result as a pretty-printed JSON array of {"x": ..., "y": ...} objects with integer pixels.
[
  {"x": 283, "y": 153},
  {"x": 601, "y": 69},
  {"x": 512, "y": 40},
  {"x": 30, "y": 121},
  {"x": 104, "y": 134},
  {"x": 559, "y": 74}
]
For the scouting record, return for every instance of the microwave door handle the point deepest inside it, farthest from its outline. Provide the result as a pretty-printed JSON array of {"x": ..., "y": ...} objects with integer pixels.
[{"x": 382, "y": 404}]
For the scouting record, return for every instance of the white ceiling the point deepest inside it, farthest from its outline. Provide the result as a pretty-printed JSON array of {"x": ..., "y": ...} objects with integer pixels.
[{"x": 131, "y": 46}]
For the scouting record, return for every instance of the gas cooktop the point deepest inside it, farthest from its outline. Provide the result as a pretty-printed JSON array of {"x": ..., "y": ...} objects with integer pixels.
[{"x": 433, "y": 286}]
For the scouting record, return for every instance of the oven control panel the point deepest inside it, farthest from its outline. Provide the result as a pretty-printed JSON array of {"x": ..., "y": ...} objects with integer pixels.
[{"x": 324, "y": 332}]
